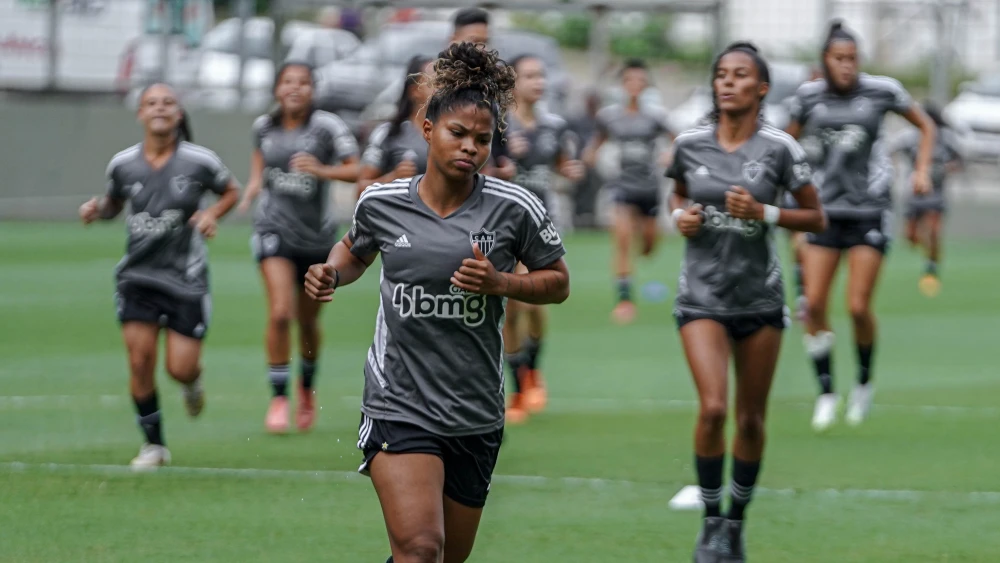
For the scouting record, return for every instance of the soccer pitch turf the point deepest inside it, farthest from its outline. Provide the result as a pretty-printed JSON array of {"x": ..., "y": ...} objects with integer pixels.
[{"x": 588, "y": 480}]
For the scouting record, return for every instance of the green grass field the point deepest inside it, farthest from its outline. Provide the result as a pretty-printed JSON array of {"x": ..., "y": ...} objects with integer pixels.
[{"x": 588, "y": 480}]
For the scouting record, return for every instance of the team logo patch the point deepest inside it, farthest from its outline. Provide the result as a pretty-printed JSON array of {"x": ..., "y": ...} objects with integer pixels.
[
  {"x": 306, "y": 143},
  {"x": 269, "y": 244},
  {"x": 752, "y": 171},
  {"x": 862, "y": 104},
  {"x": 181, "y": 183},
  {"x": 485, "y": 239},
  {"x": 546, "y": 142}
]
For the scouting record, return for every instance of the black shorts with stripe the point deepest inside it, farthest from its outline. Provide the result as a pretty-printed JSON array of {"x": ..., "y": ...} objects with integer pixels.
[
  {"x": 271, "y": 245},
  {"x": 739, "y": 327},
  {"x": 469, "y": 461},
  {"x": 147, "y": 305},
  {"x": 844, "y": 234}
]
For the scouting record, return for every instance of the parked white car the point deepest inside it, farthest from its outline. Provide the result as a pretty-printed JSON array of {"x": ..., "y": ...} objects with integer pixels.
[{"x": 975, "y": 112}]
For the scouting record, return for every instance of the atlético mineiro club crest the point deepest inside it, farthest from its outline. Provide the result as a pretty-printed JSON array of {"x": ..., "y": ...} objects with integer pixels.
[
  {"x": 485, "y": 239},
  {"x": 752, "y": 171}
]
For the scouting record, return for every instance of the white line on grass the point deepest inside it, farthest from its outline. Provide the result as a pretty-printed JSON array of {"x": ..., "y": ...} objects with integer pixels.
[
  {"x": 556, "y": 404},
  {"x": 982, "y": 497}
]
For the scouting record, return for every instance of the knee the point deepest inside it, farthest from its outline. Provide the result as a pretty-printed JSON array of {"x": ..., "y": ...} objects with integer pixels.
[
  {"x": 309, "y": 327},
  {"x": 280, "y": 318},
  {"x": 712, "y": 416},
  {"x": 185, "y": 370},
  {"x": 859, "y": 310},
  {"x": 426, "y": 546},
  {"x": 750, "y": 427},
  {"x": 142, "y": 363}
]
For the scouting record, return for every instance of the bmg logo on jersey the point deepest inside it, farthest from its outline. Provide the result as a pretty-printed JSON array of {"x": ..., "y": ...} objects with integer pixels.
[
  {"x": 291, "y": 183},
  {"x": 144, "y": 224},
  {"x": 715, "y": 219},
  {"x": 414, "y": 301}
]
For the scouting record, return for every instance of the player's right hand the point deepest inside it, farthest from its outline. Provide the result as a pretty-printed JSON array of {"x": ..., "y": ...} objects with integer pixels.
[
  {"x": 319, "y": 282},
  {"x": 517, "y": 145},
  {"x": 689, "y": 223},
  {"x": 90, "y": 211},
  {"x": 405, "y": 169}
]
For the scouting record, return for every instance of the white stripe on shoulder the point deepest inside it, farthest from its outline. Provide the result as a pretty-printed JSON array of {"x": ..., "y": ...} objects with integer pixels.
[
  {"x": 395, "y": 187},
  {"x": 772, "y": 132},
  {"x": 261, "y": 122},
  {"x": 811, "y": 87},
  {"x": 884, "y": 82},
  {"x": 331, "y": 121},
  {"x": 695, "y": 132},
  {"x": 519, "y": 191},
  {"x": 122, "y": 156},
  {"x": 520, "y": 201},
  {"x": 379, "y": 135},
  {"x": 203, "y": 155}
]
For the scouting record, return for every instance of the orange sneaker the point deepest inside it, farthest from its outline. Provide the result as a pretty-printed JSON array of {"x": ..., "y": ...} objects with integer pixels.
[
  {"x": 624, "y": 312},
  {"x": 276, "y": 421},
  {"x": 516, "y": 413},
  {"x": 305, "y": 416},
  {"x": 535, "y": 394}
]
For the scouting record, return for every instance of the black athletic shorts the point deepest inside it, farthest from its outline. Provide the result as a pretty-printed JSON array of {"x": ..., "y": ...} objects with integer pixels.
[
  {"x": 270, "y": 245},
  {"x": 468, "y": 460},
  {"x": 740, "y": 326},
  {"x": 146, "y": 305},
  {"x": 843, "y": 234},
  {"x": 918, "y": 206},
  {"x": 648, "y": 203}
]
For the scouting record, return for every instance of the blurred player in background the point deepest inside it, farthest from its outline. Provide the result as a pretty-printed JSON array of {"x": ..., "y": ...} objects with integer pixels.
[
  {"x": 397, "y": 149},
  {"x": 297, "y": 152},
  {"x": 635, "y": 128},
  {"x": 433, "y": 406},
  {"x": 730, "y": 176},
  {"x": 540, "y": 144},
  {"x": 839, "y": 118},
  {"x": 163, "y": 281},
  {"x": 925, "y": 212}
]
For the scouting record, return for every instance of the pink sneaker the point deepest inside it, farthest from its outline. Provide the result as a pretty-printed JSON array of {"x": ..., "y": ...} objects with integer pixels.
[
  {"x": 276, "y": 421},
  {"x": 305, "y": 416}
]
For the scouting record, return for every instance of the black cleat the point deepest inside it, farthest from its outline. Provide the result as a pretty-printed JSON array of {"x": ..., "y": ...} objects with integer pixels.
[
  {"x": 712, "y": 533},
  {"x": 389, "y": 560},
  {"x": 732, "y": 549}
]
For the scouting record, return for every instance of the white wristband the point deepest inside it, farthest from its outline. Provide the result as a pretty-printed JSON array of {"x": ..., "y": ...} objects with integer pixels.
[
  {"x": 771, "y": 214},
  {"x": 676, "y": 213}
]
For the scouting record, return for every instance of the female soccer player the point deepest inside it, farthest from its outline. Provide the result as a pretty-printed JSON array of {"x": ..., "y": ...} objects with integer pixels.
[
  {"x": 730, "y": 176},
  {"x": 433, "y": 407},
  {"x": 924, "y": 212},
  {"x": 840, "y": 117},
  {"x": 538, "y": 143},
  {"x": 636, "y": 130},
  {"x": 397, "y": 149},
  {"x": 162, "y": 282},
  {"x": 293, "y": 162}
]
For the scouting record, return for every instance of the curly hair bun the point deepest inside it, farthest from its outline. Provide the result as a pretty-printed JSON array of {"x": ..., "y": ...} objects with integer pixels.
[{"x": 468, "y": 66}]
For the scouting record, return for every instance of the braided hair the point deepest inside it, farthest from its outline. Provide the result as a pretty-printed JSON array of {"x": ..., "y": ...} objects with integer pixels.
[
  {"x": 763, "y": 74},
  {"x": 468, "y": 74}
]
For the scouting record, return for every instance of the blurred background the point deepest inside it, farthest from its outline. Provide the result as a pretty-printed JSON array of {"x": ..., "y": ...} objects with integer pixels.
[{"x": 70, "y": 71}]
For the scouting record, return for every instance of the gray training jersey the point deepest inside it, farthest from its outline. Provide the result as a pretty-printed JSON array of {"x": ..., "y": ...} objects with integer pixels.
[
  {"x": 437, "y": 356},
  {"x": 547, "y": 141},
  {"x": 946, "y": 151},
  {"x": 838, "y": 132},
  {"x": 731, "y": 266},
  {"x": 386, "y": 152},
  {"x": 164, "y": 251},
  {"x": 295, "y": 206},
  {"x": 636, "y": 135}
]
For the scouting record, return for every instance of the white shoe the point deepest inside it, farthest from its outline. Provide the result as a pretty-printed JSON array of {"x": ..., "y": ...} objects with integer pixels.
[
  {"x": 194, "y": 398},
  {"x": 859, "y": 404},
  {"x": 151, "y": 456},
  {"x": 825, "y": 414}
]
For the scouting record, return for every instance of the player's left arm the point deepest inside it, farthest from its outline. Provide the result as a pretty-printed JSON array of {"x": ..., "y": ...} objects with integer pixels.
[
  {"x": 904, "y": 105},
  {"x": 796, "y": 176},
  {"x": 568, "y": 166},
  {"x": 220, "y": 181},
  {"x": 345, "y": 152}
]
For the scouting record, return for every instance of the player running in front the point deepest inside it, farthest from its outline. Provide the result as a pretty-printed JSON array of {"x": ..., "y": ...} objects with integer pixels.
[
  {"x": 925, "y": 212},
  {"x": 839, "y": 118},
  {"x": 730, "y": 176},
  {"x": 162, "y": 282},
  {"x": 433, "y": 406},
  {"x": 636, "y": 130},
  {"x": 539, "y": 143},
  {"x": 298, "y": 150},
  {"x": 397, "y": 149}
]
